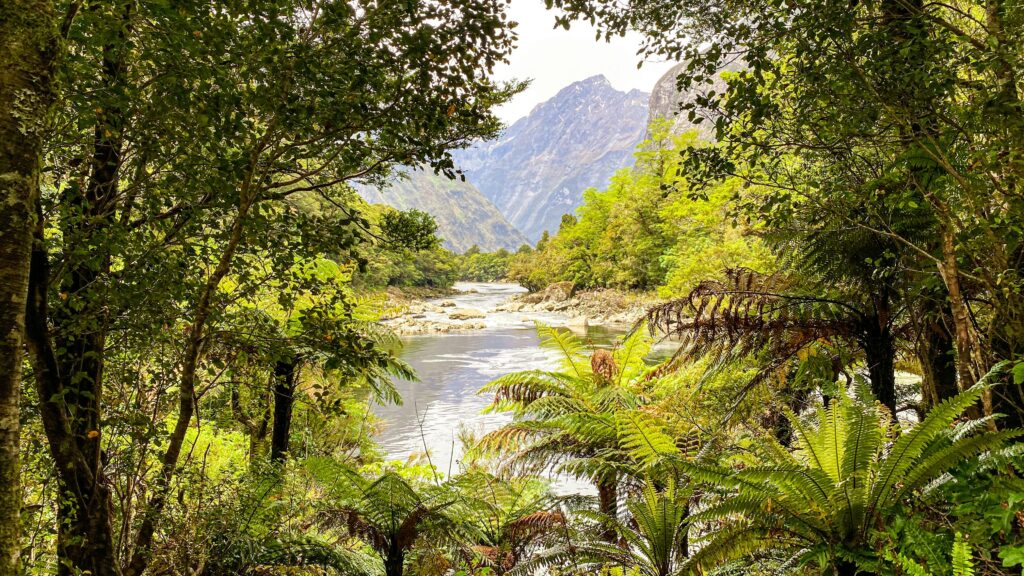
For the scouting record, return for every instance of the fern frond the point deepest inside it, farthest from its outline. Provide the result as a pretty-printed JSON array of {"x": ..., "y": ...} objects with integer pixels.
[
  {"x": 643, "y": 439},
  {"x": 912, "y": 443}
]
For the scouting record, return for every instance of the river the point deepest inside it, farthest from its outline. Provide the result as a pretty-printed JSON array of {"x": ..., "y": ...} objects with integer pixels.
[{"x": 453, "y": 367}]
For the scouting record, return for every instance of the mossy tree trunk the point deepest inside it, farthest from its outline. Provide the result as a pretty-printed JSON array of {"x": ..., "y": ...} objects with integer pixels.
[{"x": 28, "y": 35}]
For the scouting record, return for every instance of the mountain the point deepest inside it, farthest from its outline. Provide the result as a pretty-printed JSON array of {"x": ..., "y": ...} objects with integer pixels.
[
  {"x": 538, "y": 168},
  {"x": 464, "y": 216},
  {"x": 666, "y": 99}
]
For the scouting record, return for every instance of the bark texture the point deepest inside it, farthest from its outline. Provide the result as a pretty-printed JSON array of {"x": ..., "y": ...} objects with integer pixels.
[{"x": 28, "y": 36}]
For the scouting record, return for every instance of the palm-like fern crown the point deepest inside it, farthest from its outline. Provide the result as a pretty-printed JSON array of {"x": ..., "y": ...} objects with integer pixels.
[
  {"x": 510, "y": 515},
  {"x": 386, "y": 512},
  {"x": 585, "y": 419},
  {"x": 749, "y": 314},
  {"x": 650, "y": 543},
  {"x": 844, "y": 478}
]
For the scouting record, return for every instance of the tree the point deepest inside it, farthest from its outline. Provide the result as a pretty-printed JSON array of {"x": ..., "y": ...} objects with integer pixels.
[
  {"x": 923, "y": 112},
  {"x": 821, "y": 502},
  {"x": 185, "y": 136},
  {"x": 28, "y": 48},
  {"x": 584, "y": 420},
  {"x": 306, "y": 320},
  {"x": 387, "y": 512}
]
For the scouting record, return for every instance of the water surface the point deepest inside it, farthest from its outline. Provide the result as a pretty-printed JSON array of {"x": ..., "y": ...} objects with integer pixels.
[{"x": 453, "y": 367}]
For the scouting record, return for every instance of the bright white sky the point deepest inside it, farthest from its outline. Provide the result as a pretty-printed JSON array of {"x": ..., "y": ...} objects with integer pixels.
[{"x": 554, "y": 58}]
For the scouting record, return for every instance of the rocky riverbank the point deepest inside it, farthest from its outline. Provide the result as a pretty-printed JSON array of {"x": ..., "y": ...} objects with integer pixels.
[
  {"x": 432, "y": 317},
  {"x": 611, "y": 308},
  {"x": 479, "y": 306}
]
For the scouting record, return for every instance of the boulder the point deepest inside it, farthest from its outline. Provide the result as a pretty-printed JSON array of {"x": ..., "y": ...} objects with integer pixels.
[
  {"x": 578, "y": 322},
  {"x": 467, "y": 314},
  {"x": 447, "y": 304},
  {"x": 559, "y": 291}
]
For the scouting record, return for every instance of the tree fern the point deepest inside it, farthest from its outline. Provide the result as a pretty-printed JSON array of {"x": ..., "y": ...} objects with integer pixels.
[
  {"x": 841, "y": 481},
  {"x": 386, "y": 512},
  {"x": 584, "y": 419}
]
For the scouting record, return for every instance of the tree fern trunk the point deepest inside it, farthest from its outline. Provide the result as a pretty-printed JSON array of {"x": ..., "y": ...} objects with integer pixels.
[
  {"x": 938, "y": 361},
  {"x": 394, "y": 563},
  {"x": 608, "y": 502},
  {"x": 846, "y": 568},
  {"x": 880, "y": 352},
  {"x": 284, "y": 402}
]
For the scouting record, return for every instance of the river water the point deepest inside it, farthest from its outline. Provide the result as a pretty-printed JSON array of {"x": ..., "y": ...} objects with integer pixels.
[{"x": 452, "y": 368}]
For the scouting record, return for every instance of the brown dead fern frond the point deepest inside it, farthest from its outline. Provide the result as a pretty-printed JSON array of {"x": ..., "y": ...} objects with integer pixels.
[{"x": 747, "y": 314}]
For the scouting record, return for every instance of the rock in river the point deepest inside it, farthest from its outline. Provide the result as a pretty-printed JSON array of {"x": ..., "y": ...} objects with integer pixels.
[{"x": 467, "y": 314}]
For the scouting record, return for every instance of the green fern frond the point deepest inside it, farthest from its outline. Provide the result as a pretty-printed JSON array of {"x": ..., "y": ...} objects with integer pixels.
[
  {"x": 569, "y": 347},
  {"x": 962, "y": 563},
  {"x": 912, "y": 443},
  {"x": 948, "y": 457},
  {"x": 630, "y": 356},
  {"x": 643, "y": 439}
]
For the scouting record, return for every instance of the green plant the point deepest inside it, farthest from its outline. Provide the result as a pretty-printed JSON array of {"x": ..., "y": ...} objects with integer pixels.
[
  {"x": 388, "y": 512},
  {"x": 585, "y": 419},
  {"x": 961, "y": 560},
  {"x": 821, "y": 501},
  {"x": 510, "y": 517}
]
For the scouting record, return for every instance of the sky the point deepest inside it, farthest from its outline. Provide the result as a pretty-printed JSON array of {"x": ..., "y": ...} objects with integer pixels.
[{"x": 555, "y": 58}]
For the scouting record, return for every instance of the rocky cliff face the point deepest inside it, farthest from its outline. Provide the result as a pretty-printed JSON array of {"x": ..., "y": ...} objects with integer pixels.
[
  {"x": 537, "y": 170},
  {"x": 465, "y": 217},
  {"x": 666, "y": 100}
]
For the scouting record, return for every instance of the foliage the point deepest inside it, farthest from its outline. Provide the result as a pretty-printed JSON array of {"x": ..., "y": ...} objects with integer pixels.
[
  {"x": 477, "y": 266},
  {"x": 586, "y": 419},
  {"x": 197, "y": 238},
  {"x": 822, "y": 501},
  {"x": 651, "y": 543},
  {"x": 647, "y": 230},
  {"x": 405, "y": 252}
]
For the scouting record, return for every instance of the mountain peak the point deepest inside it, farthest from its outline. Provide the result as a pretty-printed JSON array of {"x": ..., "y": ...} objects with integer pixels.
[
  {"x": 599, "y": 79},
  {"x": 598, "y": 82},
  {"x": 538, "y": 169}
]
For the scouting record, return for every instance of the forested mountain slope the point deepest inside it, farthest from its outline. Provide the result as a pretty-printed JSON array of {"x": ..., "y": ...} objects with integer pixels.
[{"x": 465, "y": 217}]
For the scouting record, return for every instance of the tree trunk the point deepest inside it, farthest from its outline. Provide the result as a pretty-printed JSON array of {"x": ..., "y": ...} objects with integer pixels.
[
  {"x": 938, "y": 361},
  {"x": 880, "y": 353},
  {"x": 28, "y": 41},
  {"x": 285, "y": 376},
  {"x": 394, "y": 563},
  {"x": 85, "y": 533},
  {"x": 69, "y": 372},
  {"x": 189, "y": 366},
  {"x": 966, "y": 338},
  {"x": 608, "y": 503},
  {"x": 970, "y": 364}
]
